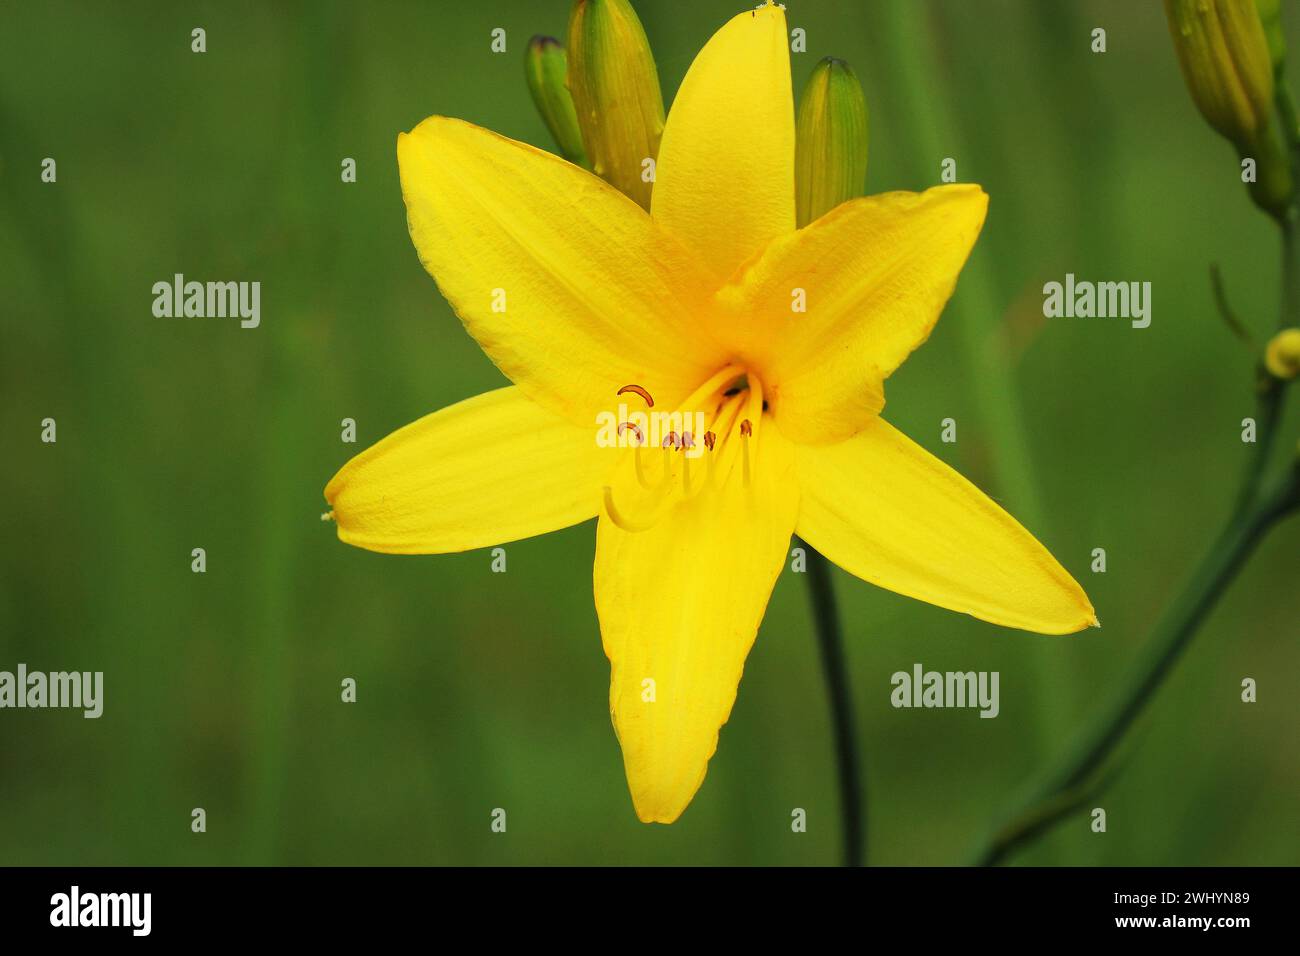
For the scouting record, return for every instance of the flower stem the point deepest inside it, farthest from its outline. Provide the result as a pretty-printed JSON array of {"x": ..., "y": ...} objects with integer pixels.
[
  {"x": 826, "y": 617},
  {"x": 1073, "y": 778},
  {"x": 1269, "y": 390},
  {"x": 1054, "y": 793}
]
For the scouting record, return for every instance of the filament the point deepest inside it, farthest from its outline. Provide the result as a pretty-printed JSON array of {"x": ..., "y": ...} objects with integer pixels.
[
  {"x": 755, "y": 413},
  {"x": 641, "y": 478},
  {"x": 622, "y": 520}
]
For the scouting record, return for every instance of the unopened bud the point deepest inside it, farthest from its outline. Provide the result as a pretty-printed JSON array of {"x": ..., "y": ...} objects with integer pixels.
[
  {"x": 831, "y": 144},
  {"x": 1225, "y": 60},
  {"x": 1282, "y": 356},
  {"x": 615, "y": 88},
  {"x": 545, "y": 66},
  {"x": 1270, "y": 17}
]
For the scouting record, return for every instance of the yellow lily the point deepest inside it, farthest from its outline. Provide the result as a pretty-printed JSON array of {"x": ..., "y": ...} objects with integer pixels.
[{"x": 575, "y": 292}]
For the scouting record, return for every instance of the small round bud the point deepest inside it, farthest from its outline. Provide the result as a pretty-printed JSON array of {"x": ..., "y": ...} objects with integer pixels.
[{"x": 1282, "y": 356}]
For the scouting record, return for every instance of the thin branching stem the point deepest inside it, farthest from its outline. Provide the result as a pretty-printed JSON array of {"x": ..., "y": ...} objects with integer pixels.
[
  {"x": 1047, "y": 800},
  {"x": 1058, "y": 791}
]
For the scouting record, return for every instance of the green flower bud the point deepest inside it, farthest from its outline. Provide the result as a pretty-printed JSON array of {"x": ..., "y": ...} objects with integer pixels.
[
  {"x": 615, "y": 88},
  {"x": 546, "y": 66},
  {"x": 831, "y": 141},
  {"x": 1225, "y": 60},
  {"x": 1270, "y": 16}
]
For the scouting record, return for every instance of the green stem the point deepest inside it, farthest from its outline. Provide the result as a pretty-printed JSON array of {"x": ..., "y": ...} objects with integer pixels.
[
  {"x": 826, "y": 616},
  {"x": 1071, "y": 780},
  {"x": 1049, "y": 798},
  {"x": 1269, "y": 390}
]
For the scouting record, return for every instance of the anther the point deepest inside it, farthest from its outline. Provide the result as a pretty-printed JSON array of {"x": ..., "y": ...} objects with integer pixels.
[
  {"x": 688, "y": 441},
  {"x": 670, "y": 440},
  {"x": 640, "y": 438},
  {"x": 746, "y": 428},
  {"x": 639, "y": 391},
  {"x": 709, "y": 440}
]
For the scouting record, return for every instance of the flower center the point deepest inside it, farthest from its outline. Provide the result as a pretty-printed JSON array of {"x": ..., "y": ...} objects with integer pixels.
[{"x": 699, "y": 447}]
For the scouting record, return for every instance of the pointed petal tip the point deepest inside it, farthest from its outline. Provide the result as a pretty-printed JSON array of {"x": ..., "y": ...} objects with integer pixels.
[
  {"x": 433, "y": 123},
  {"x": 650, "y": 815},
  {"x": 1090, "y": 619},
  {"x": 963, "y": 191},
  {"x": 1048, "y": 627},
  {"x": 334, "y": 485},
  {"x": 969, "y": 191},
  {"x": 771, "y": 15},
  {"x": 768, "y": 9},
  {"x": 1085, "y": 622},
  {"x": 1086, "y": 616}
]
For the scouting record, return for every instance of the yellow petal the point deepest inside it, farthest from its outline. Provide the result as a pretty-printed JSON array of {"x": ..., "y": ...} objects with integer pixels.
[
  {"x": 885, "y": 509},
  {"x": 725, "y": 180},
  {"x": 488, "y": 470},
  {"x": 679, "y": 607},
  {"x": 875, "y": 274},
  {"x": 566, "y": 283}
]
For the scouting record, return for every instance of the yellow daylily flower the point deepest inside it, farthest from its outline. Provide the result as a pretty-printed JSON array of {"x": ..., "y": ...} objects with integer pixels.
[{"x": 576, "y": 293}]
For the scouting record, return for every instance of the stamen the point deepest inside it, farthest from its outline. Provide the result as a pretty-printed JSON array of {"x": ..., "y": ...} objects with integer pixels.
[
  {"x": 710, "y": 469},
  {"x": 712, "y": 385},
  {"x": 622, "y": 521},
  {"x": 650, "y": 402},
  {"x": 746, "y": 430},
  {"x": 722, "y": 428},
  {"x": 757, "y": 403},
  {"x": 643, "y": 481},
  {"x": 755, "y": 411},
  {"x": 733, "y": 398}
]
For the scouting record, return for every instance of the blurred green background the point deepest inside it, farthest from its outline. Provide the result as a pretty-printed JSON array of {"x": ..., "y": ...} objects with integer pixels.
[{"x": 479, "y": 690}]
